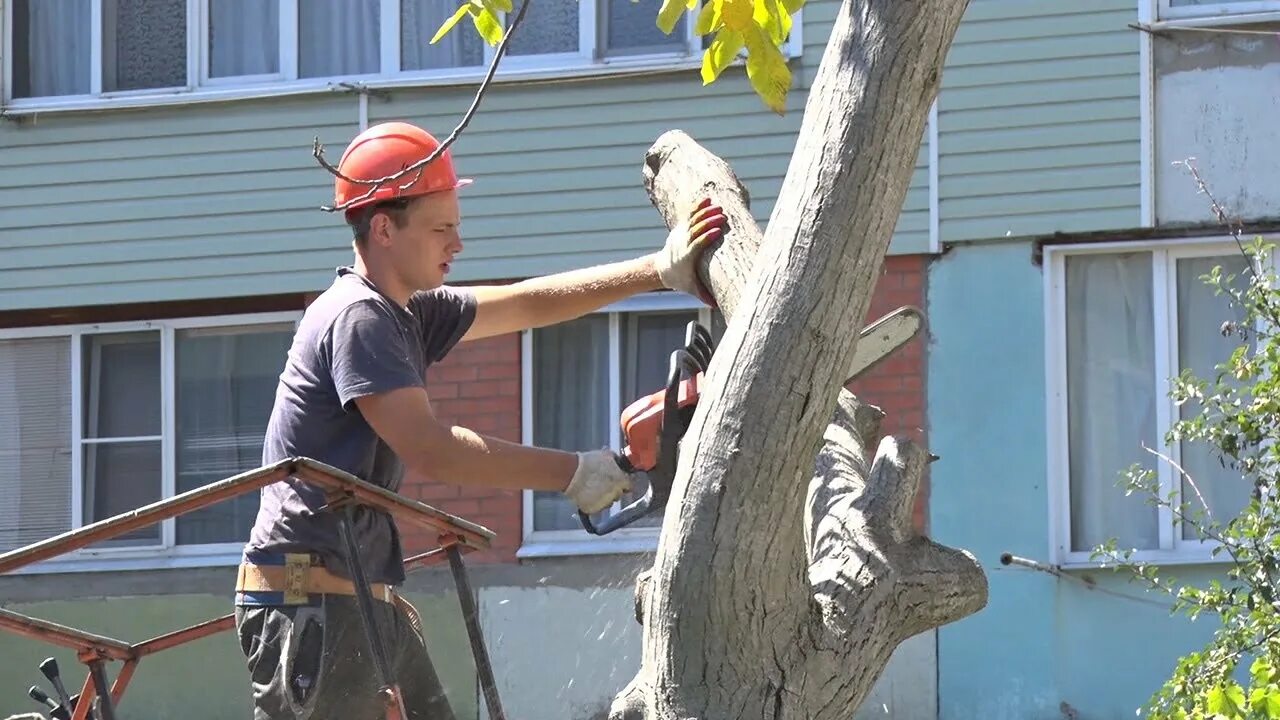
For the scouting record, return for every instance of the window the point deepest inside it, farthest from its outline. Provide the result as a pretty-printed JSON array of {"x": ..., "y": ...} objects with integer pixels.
[
  {"x": 1229, "y": 11},
  {"x": 1121, "y": 322},
  {"x": 94, "y": 53},
  {"x": 579, "y": 376},
  {"x": 100, "y": 420}
]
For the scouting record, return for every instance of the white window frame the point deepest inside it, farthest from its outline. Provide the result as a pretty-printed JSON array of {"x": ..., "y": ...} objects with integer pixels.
[
  {"x": 588, "y": 61},
  {"x": 1225, "y": 13},
  {"x": 549, "y": 543},
  {"x": 1165, "y": 254},
  {"x": 167, "y": 554}
]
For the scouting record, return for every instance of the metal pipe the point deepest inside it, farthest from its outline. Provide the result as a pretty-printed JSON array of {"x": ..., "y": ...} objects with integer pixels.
[{"x": 471, "y": 616}]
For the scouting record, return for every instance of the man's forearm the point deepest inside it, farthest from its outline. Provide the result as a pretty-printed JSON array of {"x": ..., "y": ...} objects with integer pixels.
[
  {"x": 556, "y": 298},
  {"x": 469, "y": 458}
]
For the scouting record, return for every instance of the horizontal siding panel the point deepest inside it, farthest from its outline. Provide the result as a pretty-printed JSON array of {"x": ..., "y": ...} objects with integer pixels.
[
  {"x": 1034, "y": 202},
  {"x": 1055, "y": 19},
  {"x": 223, "y": 199},
  {"x": 1058, "y": 47},
  {"x": 250, "y": 118},
  {"x": 1031, "y": 116},
  {"x": 1038, "y": 120},
  {"x": 1014, "y": 225},
  {"x": 957, "y": 186},
  {"x": 1028, "y": 94},
  {"x": 1039, "y": 71},
  {"x": 957, "y": 165},
  {"x": 1049, "y": 135}
]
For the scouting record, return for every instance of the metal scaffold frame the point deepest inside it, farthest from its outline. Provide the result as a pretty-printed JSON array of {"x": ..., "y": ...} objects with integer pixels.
[{"x": 344, "y": 491}]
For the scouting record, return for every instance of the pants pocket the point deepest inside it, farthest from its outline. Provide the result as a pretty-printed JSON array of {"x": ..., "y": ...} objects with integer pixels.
[{"x": 304, "y": 663}]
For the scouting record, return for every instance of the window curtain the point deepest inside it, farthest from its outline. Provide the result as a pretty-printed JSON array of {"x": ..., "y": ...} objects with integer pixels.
[
  {"x": 51, "y": 47},
  {"x": 419, "y": 21},
  {"x": 244, "y": 38},
  {"x": 1112, "y": 397},
  {"x": 570, "y": 402},
  {"x": 1201, "y": 348},
  {"x": 226, "y": 382},
  {"x": 35, "y": 440},
  {"x": 338, "y": 37}
]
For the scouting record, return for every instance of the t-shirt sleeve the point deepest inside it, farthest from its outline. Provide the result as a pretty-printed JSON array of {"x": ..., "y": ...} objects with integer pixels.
[
  {"x": 445, "y": 313},
  {"x": 368, "y": 353}
]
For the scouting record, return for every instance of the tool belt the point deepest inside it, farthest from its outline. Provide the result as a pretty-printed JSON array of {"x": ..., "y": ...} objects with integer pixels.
[{"x": 295, "y": 579}]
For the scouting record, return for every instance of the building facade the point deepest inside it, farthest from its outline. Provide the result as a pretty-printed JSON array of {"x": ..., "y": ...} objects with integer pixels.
[
  {"x": 160, "y": 234},
  {"x": 1066, "y": 295}
]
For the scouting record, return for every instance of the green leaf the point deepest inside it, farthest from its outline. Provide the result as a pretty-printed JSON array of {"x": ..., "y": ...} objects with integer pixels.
[
  {"x": 1228, "y": 702},
  {"x": 670, "y": 13},
  {"x": 1265, "y": 701},
  {"x": 487, "y": 24},
  {"x": 792, "y": 6},
  {"x": 767, "y": 70},
  {"x": 503, "y": 5},
  {"x": 449, "y": 23},
  {"x": 724, "y": 48},
  {"x": 709, "y": 19},
  {"x": 774, "y": 20}
]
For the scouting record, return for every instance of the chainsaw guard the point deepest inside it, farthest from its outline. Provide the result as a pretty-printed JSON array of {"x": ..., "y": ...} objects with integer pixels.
[{"x": 693, "y": 358}]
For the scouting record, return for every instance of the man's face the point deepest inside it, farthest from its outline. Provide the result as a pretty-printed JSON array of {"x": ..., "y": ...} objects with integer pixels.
[{"x": 422, "y": 251}]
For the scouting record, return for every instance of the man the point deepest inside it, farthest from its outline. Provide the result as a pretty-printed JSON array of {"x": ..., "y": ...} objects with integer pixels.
[{"x": 352, "y": 394}]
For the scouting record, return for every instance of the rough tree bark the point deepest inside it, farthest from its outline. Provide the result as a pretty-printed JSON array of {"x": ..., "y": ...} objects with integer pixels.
[{"x": 788, "y": 570}]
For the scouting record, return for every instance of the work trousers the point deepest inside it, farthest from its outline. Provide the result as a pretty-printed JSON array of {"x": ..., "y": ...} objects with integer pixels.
[{"x": 314, "y": 662}]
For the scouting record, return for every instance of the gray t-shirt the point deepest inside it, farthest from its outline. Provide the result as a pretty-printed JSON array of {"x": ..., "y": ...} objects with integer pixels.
[{"x": 352, "y": 341}]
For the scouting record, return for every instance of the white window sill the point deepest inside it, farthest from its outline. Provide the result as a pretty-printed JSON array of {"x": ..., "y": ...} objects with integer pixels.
[
  {"x": 1214, "y": 20},
  {"x": 608, "y": 67},
  {"x": 128, "y": 560},
  {"x": 1081, "y": 561},
  {"x": 533, "y": 547}
]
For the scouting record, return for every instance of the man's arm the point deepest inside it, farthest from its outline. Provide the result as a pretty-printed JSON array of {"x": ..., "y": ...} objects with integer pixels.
[
  {"x": 453, "y": 454},
  {"x": 552, "y": 299},
  {"x": 404, "y": 419}
]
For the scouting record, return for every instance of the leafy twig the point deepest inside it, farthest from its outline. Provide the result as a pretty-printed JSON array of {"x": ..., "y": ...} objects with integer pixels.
[{"x": 317, "y": 150}]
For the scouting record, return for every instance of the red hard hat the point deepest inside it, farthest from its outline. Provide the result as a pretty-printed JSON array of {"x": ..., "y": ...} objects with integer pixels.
[{"x": 384, "y": 150}]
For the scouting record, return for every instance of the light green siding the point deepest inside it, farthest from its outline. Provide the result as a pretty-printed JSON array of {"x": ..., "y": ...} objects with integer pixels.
[
  {"x": 1038, "y": 120},
  {"x": 220, "y": 199},
  {"x": 912, "y": 233},
  {"x": 168, "y": 204}
]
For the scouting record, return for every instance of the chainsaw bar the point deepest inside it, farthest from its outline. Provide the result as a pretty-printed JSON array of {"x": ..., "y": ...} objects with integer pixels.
[{"x": 881, "y": 338}]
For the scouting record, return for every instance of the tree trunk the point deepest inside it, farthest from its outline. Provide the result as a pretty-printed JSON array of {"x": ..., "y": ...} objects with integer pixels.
[{"x": 767, "y": 600}]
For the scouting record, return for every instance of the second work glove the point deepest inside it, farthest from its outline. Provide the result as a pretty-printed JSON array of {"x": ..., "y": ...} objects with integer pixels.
[
  {"x": 598, "y": 481},
  {"x": 677, "y": 261}
]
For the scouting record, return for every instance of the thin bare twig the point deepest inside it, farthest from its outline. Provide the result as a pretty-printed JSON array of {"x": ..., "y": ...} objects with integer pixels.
[{"x": 317, "y": 150}]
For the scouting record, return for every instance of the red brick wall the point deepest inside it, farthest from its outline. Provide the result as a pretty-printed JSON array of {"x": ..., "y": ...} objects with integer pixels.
[
  {"x": 478, "y": 386},
  {"x": 897, "y": 386}
]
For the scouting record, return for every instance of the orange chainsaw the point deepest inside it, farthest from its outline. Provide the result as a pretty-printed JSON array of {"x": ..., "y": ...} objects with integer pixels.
[{"x": 653, "y": 426}]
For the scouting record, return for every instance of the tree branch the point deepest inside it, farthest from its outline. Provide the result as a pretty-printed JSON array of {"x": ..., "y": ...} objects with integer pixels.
[{"x": 317, "y": 150}]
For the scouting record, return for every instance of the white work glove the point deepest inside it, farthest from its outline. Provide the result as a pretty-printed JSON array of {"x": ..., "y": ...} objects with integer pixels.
[
  {"x": 677, "y": 261},
  {"x": 598, "y": 481}
]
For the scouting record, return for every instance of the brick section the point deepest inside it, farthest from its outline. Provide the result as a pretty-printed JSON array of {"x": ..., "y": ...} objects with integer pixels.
[
  {"x": 897, "y": 386},
  {"x": 478, "y": 387}
]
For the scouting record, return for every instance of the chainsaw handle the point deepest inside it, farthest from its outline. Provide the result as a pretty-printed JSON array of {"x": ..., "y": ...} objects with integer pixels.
[
  {"x": 669, "y": 439},
  {"x": 622, "y": 518}
]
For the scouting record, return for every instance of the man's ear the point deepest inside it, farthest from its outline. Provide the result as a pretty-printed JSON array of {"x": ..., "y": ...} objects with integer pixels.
[{"x": 380, "y": 229}]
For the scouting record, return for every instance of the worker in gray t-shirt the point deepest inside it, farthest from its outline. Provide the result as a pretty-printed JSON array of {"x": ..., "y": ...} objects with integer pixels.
[{"x": 352, "y": 394}]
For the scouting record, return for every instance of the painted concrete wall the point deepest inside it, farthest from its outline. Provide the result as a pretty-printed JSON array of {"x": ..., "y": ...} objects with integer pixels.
[
  {"x": 596, "y": 641},
  {"x": 1041, "y": 641},
  {"x": 207, "y": 679},
  {"x": 1212, "y": 103}
]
